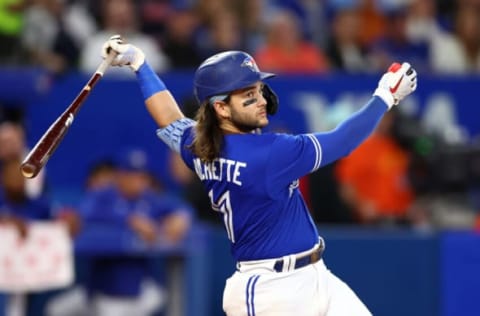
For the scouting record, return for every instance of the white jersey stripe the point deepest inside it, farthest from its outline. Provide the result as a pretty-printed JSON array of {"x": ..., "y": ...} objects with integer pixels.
[{"x": 318, "y": 151}]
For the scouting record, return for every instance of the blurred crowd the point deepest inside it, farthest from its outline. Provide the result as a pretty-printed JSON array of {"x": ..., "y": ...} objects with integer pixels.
[
  {"x": 121, "y": 196},
  {"x": 306, "y": 36}
]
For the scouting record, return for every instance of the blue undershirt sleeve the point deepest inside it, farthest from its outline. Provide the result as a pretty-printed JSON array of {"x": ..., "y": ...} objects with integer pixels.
[
  {"x": 352, "y": 132},
  {"x": 149, "y": 81}
]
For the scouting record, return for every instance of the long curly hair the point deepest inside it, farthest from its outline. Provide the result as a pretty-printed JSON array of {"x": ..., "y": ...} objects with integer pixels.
[{"x": 208, "y": 140}]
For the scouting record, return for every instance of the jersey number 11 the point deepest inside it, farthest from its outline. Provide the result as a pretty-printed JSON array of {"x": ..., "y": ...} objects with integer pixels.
[{"x": 224, "y": 206}]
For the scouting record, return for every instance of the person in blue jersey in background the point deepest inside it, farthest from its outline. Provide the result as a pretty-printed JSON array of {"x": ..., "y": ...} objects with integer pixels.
[
  {"x": 251, "y": 178},
  {"x": 19, "y": 210},
  {"x": 119, "y": 283}
]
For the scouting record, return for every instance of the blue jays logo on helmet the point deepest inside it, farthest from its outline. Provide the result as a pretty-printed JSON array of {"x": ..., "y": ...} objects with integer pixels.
[
  {"x": 226, "y": 72},
  {"x": 250, "y": 63}
]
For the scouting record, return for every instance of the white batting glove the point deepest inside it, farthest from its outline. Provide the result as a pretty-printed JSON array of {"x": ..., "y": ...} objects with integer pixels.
[
  {"x": 128, "y": 54},
  {"x": 398, "y": 82}
]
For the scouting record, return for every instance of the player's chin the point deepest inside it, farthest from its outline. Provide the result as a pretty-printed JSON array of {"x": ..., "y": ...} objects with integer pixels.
[{"x": 262, "y": 122}]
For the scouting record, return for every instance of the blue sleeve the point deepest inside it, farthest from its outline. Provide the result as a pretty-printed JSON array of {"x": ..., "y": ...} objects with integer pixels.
[
  {"x": 352, "y": 132},
  {"x": 290, "y": 157}
]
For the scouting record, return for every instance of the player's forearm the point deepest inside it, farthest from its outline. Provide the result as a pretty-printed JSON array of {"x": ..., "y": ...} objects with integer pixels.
[
  {"x": 163, "y": 108},
  {"x": 159, "y": 102},
  {"x": 361, "y": 124},
  {"x": 351, "y": 132}
]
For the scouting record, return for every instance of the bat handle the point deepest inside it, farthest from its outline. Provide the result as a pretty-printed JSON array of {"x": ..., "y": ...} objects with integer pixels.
[{"x": 106, "y": 63}]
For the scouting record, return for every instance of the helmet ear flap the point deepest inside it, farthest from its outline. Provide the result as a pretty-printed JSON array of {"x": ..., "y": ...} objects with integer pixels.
[{"x": 271, "y": 98}]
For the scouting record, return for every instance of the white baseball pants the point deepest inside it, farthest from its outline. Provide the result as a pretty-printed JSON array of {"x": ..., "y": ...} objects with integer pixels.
[{"x": 309, "y": 291}]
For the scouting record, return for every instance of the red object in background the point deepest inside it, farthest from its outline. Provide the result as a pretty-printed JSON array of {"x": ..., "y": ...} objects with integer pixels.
[
  {"x": 304, "y": 187},
  {"x": 477, "y": 223}
]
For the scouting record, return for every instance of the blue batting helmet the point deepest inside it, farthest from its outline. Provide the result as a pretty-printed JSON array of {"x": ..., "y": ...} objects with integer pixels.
[{"x": 226, "y": 72}]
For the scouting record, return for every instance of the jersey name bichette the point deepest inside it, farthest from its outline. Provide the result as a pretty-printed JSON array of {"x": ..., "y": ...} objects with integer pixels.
[{"x": 220, "y": 169}]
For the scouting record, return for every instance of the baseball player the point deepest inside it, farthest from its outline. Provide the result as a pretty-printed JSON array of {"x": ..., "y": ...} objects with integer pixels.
[{"x": 251, "y": 178}]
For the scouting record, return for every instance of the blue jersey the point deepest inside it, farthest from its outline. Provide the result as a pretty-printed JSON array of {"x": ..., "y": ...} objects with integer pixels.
[
  {"x": 110, "y": 207},
  {"x": 254, "y": 183},
  {"x": 29, "y": 209}
]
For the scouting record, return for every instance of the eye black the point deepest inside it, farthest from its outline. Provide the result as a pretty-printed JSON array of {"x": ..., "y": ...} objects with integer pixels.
[{"x": 249, "y": 102}]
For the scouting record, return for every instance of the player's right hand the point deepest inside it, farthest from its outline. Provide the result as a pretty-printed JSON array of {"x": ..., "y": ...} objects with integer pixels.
[
  {"x": 128, "y": 54},
  {"x": 398, "y": 82}
]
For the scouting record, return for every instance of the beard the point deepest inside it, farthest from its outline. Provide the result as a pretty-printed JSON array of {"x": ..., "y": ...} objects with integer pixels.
[{"x": 248, "y": 125}]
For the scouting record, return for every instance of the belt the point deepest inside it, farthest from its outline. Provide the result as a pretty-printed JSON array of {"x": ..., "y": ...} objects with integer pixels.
[
  {"x": 286, "y": 263},
  {"x": 302, "y": 261}
]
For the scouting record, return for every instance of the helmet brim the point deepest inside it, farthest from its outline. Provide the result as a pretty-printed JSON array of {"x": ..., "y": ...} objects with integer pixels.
[{"x": 266, "y": 75}]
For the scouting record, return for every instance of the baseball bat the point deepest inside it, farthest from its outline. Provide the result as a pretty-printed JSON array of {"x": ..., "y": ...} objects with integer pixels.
[{"x": 45, "y": 147}]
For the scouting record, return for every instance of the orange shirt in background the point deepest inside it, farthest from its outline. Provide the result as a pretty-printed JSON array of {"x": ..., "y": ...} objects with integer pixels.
[
  {"x": 306, "y": 58},
  {"x": 377, "y": 170}
]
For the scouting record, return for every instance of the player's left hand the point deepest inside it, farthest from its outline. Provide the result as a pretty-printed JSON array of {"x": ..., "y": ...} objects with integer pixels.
[
  {"x": 128, "y": 54},
  {"x": 398, "y": 82}
]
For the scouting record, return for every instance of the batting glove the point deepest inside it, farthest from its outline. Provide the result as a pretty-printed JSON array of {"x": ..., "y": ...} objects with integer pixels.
[
  {"x": 398, "y": 82},
  {"x": 128, "y": 54}
]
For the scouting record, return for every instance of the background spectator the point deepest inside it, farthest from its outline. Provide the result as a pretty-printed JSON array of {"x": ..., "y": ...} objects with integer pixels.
[
  {"x": 395, "y": 44},
  {"x": 344, "y": 48},
  {"x": 120, "y": 17},
  {"x": 153, "y": 15},
  {"x": 387, "y": 196},
  {"x": 422, "y": 21},
  {"x": 101, "y": 175},
  {"x": 373, "y": 21},
  {"x": 45, "y": 38},
  {"x": 285, "y": 50},
  {"x": 119, "y": 283},
  {"x": 178, "y": 40},
  {"x": 18, "y": 209},
  {"x": 459, "y": 52},
  {"x": 11, "y": 22},
  {"x": 220, "y": 33},
  {"x": 251, "y": 15},
  {"x": 13, "y": 147}
]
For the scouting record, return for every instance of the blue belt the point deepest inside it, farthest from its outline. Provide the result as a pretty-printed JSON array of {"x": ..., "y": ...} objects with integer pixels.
[{"x": 301, "y": 262}]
